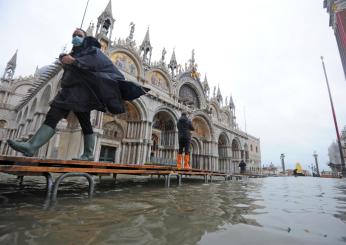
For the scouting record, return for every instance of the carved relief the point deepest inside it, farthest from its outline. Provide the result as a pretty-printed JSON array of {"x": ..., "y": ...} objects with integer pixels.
[{"x": 112, "y": 130}]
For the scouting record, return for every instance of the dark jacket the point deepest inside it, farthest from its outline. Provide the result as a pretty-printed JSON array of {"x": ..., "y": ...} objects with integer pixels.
[
  {"x": 184, "y": 127},
  {"x": 242, "y": 165},
  {"x": 92, "y": 82}
]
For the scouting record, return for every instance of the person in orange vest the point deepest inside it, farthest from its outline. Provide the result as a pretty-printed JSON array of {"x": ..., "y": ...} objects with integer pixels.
[{"x": 184, "y": 132}]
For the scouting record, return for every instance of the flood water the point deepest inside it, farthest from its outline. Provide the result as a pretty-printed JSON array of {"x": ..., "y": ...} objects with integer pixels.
[{"x": 273, "y": 210}]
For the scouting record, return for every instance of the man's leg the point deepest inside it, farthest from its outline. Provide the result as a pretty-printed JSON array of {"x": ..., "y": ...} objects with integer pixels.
[
  {"x": 88, "y": 135},
  {"x": 43, "y": 134},
  {"x": 187, "y": 154},
  {"x": 180, "y": 152}
]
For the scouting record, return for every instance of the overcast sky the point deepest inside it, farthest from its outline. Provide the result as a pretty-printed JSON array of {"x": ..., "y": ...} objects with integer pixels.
[{"x": 265, "y": 53}]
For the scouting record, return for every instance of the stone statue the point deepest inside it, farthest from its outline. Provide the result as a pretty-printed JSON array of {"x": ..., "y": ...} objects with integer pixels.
[
  {"x": 163, "y": 55},
  {"x": 132, "y": 30}
]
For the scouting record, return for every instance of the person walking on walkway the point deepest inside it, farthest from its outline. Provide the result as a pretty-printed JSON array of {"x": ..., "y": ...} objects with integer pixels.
[
  {"x": 90, "y": 82},
  {"x": 184, "y": 132},
  {"x": 242, "y": 166}
]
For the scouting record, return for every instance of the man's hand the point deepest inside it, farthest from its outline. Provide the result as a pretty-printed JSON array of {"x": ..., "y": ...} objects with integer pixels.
[{"x": 67, "y": 59}]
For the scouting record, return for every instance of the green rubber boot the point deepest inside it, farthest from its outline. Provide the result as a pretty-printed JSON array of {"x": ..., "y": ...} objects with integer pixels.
[
  {"x": 89, "y": 143},
  {"x": 29, "y": 148}
]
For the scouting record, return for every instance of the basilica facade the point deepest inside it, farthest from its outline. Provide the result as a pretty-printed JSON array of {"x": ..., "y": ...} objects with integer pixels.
[{"x": 147, "y": 132}]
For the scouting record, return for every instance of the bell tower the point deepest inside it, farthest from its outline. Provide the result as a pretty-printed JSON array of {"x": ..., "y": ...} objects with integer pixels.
[
  {"x": 104, "y": 26},
  {"x": 10, "y": 68}
]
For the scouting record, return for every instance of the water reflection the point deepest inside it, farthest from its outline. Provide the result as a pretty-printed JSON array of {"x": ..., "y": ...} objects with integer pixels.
[
  {"x": 341, "y": 202},
  {"x": 142, "y": 211}
]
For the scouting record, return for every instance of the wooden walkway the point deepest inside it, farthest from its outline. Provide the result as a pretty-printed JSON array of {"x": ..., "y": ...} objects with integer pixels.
[{"x": 26, "y": 166}]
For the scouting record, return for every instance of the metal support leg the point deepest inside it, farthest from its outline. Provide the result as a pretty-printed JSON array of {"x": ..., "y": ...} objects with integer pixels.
[
  {"x": 206, "y": 179},
  {"x": 115, "y": 178},
  {"x": 168, "y": 180},
  {"x": 179, "y": 177},
  {"x": 211, "y": 180},
  {"x": 20, "y": 179},
  {"x": 49, "y": 181},
  {"x": 3, "y": 200},
  {"x": 65, "y": 175}
]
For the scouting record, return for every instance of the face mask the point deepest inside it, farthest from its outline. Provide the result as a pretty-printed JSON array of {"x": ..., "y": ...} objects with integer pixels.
[{"x": 77, "y": 41}]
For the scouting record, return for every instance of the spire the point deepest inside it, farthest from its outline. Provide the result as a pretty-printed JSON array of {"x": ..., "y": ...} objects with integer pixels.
[
  {"x": 36, "y": 74},
  {"x": 205, "y": 78},
  {"x": 13, "y": 60},
  {"x": 173, "y": 61},
  {"x": 146, "y": 48},
  {"x": 10, "y": 67},
  {"x": 108, "y": 9},
  {"x": 205, "y": 86},
  {"x": 173, "y": 65},
  {"x": 146, "y": 40},
  {"x": 231, "y": 103},
  {"x": 219, "y": 96},
  {"x": 105, "y": 23}
]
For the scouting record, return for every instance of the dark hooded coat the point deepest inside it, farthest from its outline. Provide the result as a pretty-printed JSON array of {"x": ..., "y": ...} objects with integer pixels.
[
  {"x": 92, "y": 82},
  {"x": 242, "y": 166}
]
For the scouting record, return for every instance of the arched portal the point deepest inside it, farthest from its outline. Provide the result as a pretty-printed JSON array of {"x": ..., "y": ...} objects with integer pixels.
[
  {"x": 224, "y": 160},
  {"x": 121, "y": 135},
  {"x": 236, "y": 153},
  {"x": 202, "y": 134},
  {"x": 246, "y": 152},
  {"x": 154, "y": 147},
  {"x": 236, "y": 149},
  {"x": 164, "y": 134},
  {"x": 195, "y": 149}
]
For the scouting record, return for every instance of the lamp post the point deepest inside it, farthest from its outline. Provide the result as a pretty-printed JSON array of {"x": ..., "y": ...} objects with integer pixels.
[
  {"x": 312, "y": 169},
  {"x": 316, "y": 162},
  {"x": 282, "y": 157},
  {"x": 343, "y": 168}
]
